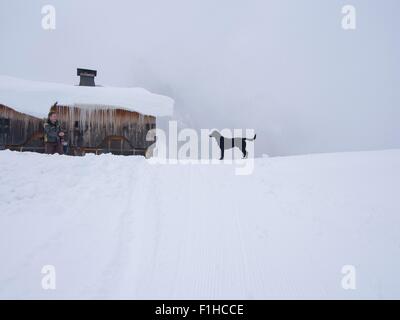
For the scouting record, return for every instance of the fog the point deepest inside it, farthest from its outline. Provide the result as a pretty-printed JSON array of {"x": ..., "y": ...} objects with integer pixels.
[{"x": 284, "y": 68}]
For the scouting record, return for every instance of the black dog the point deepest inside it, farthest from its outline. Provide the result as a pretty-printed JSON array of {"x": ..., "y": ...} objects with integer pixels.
[{"x": 229, "y": 143}]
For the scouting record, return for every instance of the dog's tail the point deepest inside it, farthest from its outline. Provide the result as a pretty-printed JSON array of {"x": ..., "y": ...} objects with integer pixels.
[{"x": 255, "y": 136}]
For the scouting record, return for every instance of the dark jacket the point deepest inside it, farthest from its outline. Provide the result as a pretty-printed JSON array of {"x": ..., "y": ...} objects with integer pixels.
[{"x": 51, "y": 132}]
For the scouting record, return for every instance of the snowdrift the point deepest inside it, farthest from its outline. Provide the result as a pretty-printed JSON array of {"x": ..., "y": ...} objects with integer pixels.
[{"x": 117, "y": 227}]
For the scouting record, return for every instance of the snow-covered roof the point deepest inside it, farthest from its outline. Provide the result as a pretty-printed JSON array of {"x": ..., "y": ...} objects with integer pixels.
[{"x": 35, "y": 98}]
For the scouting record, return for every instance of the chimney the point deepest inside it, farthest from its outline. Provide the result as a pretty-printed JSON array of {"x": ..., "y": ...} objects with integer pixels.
[{"x": 87, "y": 77}]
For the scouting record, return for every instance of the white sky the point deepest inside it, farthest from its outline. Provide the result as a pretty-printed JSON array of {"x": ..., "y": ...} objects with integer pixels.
[{"x": 284, "y": 68}]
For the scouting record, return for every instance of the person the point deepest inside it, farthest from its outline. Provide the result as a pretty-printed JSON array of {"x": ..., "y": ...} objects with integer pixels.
[{"x": 53, "y": 135}]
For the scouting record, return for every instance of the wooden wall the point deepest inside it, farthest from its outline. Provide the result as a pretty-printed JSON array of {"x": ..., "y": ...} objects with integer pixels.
[
  {"x": 96, "y": 130},
  {"x": 24, "y": 129},
  {"x": 113, "y": 130}
]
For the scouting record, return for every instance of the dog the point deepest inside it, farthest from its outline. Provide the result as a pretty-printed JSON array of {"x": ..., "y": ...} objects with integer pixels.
[{"x": 229, "y": 143}]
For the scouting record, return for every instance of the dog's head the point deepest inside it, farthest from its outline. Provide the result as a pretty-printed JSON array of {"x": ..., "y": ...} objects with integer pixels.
[{"x": 215, "y": 134}]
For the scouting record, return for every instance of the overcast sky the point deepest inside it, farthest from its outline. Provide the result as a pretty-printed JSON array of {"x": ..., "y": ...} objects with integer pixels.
[{"x": 284, "y": 68}]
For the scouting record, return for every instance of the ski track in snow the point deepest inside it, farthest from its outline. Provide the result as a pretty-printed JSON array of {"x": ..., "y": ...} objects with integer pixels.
[{"x": 120, "y": 227}]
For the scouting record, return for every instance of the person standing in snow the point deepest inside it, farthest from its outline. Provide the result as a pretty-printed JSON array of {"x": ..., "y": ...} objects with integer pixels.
[{"x": 53, "y": 135}]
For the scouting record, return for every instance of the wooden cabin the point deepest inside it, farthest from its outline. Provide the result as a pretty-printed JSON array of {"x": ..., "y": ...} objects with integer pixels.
[{"x": 95, "y": 120}]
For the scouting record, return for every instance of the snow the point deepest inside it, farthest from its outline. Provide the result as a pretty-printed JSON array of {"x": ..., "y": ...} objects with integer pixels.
[
  {"x": 121, "y": 227},
  {"x": 35, "y": 98}
]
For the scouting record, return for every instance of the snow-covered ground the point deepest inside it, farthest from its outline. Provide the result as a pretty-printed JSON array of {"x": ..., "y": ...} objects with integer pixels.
[{"x": 120, "y": 227}]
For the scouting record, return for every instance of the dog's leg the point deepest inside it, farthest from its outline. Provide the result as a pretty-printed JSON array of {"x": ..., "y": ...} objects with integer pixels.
[
  {"x": 222, "y": 146},
  {"x": 244, "y": 149}
]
